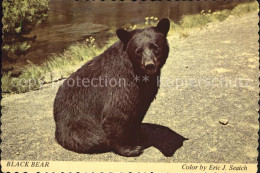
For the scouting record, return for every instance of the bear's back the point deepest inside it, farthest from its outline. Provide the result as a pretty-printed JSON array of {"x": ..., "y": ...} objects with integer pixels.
[{"x": 88, "y": 89}]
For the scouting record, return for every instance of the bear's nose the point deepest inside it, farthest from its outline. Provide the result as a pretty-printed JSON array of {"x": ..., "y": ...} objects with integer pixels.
[{"x": 149, "y": 66}]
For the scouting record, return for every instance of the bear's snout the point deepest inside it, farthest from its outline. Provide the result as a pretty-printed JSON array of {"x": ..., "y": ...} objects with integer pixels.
[{"x": 149, "y": 66}]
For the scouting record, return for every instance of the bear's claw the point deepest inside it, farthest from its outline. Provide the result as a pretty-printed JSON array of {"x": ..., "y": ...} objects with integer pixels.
[{"x": 129, "y": 151}]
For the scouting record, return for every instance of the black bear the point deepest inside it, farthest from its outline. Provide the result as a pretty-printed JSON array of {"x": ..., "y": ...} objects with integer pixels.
[{"x": 101, "y": 106}]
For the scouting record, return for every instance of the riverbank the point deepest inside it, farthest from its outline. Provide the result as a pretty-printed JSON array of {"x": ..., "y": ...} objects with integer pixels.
[
  {"x": 33, "y": 77},
  {"x": 222, "y": 51},
  {"x": 19, "y": 19}
]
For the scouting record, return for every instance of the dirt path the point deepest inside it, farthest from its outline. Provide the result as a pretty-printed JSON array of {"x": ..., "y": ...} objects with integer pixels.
[{"x": 220, "y": 52}]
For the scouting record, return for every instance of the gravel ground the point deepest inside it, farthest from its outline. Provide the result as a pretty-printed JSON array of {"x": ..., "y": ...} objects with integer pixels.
[{"x": 191, "y": 102}]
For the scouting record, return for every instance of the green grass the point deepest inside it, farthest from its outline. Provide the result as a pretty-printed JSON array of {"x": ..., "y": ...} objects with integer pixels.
[
  {"x": 199, "y": 20},
  {"x": 245, "y": 8},
  {"x": 62, "y": 65},
  {"x": 58, "y": 67}
]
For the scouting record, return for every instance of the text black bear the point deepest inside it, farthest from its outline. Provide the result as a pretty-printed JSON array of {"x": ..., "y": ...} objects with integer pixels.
[{"x": 101, "y": 106}]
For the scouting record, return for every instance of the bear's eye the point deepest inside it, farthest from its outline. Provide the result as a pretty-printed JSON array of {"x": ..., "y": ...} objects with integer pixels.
[
  {"x": 139, "y": 51},
  {"x": 154, "y": 47}
]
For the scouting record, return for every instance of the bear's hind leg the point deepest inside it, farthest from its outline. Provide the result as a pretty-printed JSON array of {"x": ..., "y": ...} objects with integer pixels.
[
  {"x": 83, "y": 137},
  {"x": 119, "y": 140}
]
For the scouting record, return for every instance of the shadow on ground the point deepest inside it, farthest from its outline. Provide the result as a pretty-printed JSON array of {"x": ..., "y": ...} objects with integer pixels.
[{"x": 162, "y": 138}]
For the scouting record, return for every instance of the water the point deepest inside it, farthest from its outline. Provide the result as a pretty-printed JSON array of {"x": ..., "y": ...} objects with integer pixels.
[{"x": 70, "y": 21}]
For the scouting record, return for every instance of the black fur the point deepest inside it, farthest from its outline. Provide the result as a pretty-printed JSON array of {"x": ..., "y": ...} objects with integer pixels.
[{"x": 99, "y": 118}]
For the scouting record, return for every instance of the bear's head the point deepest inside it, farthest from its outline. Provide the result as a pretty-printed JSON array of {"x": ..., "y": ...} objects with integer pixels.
[{"x": 147, "y": 48}]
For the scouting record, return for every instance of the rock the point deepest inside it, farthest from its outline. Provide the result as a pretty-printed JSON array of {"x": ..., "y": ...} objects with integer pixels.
[
  {"x": 17, "y": 153},
  {"x": 29, "y": 62},
  {"x": 226, "y": 42},
  {"x": 223, "y": 121},
  {"x": 210, "y": 26}
]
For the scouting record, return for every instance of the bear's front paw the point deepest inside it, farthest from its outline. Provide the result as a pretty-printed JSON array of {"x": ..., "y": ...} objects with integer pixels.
[{"x": 129, "y": 151}]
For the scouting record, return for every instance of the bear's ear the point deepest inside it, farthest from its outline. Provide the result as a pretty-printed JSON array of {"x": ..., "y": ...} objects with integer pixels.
[
  {"x": 163, "y": 26},
  {"x": 123, "y": 35}
]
